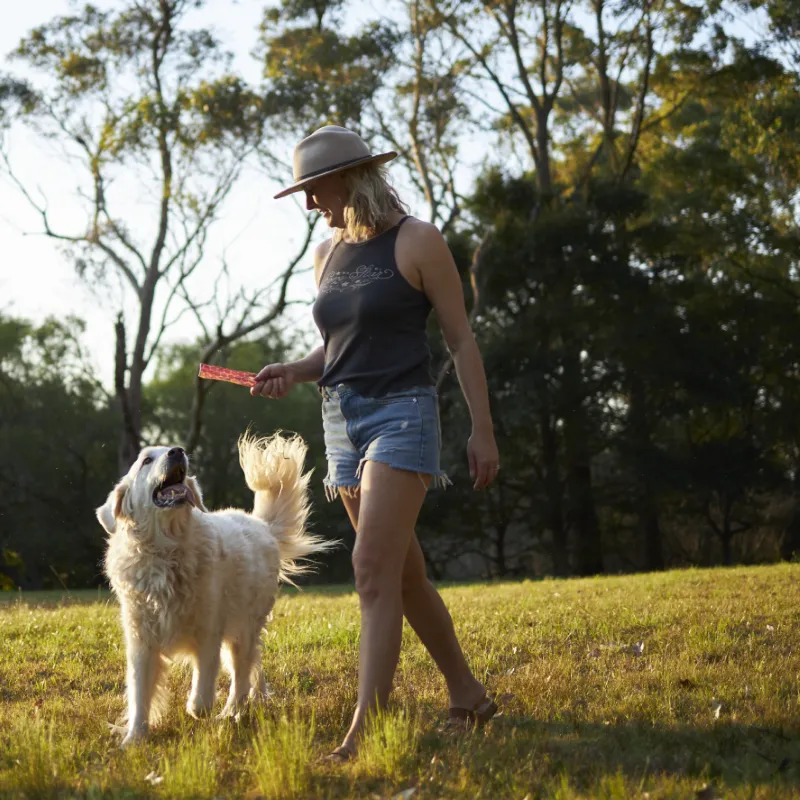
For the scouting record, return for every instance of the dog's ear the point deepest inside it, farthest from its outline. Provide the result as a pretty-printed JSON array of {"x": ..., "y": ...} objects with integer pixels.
[
  {"x": 194, "y": 488},
  {"x": 108, "y": 514}
]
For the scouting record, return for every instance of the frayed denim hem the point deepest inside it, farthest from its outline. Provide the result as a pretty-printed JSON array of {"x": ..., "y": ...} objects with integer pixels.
[{"x": 332, "y": 491}]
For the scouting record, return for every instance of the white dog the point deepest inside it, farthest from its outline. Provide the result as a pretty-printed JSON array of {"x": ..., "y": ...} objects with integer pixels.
[{"x": 197, "y": 584}]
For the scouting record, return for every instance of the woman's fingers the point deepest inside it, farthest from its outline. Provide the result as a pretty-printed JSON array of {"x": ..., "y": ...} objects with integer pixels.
[
  {"x": 267, "y": 372},
  {"x": 268, "y": 386},
  {"x": 268, "y": 389},
  {"x": 486, "y": 472}
]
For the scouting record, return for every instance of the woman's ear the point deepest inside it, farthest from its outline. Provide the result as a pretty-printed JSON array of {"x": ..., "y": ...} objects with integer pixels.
[
  {"x": 197, "y": 496},
  {"x": 108, "y": 514}
]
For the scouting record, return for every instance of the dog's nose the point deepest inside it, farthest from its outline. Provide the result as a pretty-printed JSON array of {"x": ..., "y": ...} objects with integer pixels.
[{"x": 175, "y": 452}]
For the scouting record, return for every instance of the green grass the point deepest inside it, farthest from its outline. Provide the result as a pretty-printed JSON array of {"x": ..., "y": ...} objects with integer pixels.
[{"x": 712, "y": 701}]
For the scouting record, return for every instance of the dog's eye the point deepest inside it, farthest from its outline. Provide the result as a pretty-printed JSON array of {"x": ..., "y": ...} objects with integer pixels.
[{"x": 147, "y": 460}]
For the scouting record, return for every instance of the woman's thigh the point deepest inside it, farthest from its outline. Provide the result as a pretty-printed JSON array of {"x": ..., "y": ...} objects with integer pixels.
[
  {"x": 385, "y": 514},
  {"x": 414, "y": 561}
]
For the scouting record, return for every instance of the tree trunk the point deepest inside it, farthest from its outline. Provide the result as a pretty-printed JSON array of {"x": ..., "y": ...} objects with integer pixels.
[
  {"x": 647, "y": 506},
  {"x": 790, "y": 547},
  {"x": 651, "y": 530},
  {"x": 579, "y": 487},
  {"x": 726, "y": 533},
  {"x": 129, "y": 443},
  {"x": 552, "y": 487},
  {"x": 727, "y": 550},
  {"x": 196, "y": 415},
  {"x": 579, "y": 474}
]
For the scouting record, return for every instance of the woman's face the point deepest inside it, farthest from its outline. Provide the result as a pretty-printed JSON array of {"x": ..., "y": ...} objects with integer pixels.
[{"x": 328, "y": 195}]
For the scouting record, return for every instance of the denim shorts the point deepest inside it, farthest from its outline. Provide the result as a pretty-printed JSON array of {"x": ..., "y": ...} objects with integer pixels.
[{"x": 400, "y": 429}]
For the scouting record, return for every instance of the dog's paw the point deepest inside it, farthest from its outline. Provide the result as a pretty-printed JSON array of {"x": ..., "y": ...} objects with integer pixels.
[
  {"x": 261, "y": 693},
  {"x": 199, "y": 708},
  {"x": 133, "y": 737}
]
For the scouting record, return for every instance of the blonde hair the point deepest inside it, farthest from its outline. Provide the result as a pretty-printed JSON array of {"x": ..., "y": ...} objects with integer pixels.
[{"x": 371, "y": 199}]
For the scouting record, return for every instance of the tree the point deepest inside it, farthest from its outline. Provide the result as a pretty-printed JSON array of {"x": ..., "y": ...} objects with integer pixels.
[
  {"x": 142, "y": 101},
  {"x": 389, "y": 79},
  {"x": 57, "y": 457}
]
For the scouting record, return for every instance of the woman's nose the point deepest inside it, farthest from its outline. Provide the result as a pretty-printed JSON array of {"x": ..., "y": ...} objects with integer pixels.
[{"x": 310, "y": 204}]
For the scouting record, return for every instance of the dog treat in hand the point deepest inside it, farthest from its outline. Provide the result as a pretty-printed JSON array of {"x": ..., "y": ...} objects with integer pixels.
[{"x": 230, "y": 375}]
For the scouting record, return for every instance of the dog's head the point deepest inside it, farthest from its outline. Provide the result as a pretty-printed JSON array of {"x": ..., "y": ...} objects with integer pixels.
[{"x": 156, "y": 484}]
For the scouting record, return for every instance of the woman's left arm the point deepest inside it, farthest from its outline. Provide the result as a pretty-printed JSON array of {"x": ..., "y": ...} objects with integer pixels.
[{"x": 442, "y": 285}]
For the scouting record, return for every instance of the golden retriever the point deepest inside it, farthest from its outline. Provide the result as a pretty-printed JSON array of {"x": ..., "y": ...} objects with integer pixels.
[{"x": 198, "y": 584}]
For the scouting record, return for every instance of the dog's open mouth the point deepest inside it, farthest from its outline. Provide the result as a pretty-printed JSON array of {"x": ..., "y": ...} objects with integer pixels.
[{"x": 172, "y": 491}]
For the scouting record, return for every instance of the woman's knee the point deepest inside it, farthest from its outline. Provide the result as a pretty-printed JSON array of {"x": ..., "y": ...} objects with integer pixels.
[{"x": 373, "y": 574}]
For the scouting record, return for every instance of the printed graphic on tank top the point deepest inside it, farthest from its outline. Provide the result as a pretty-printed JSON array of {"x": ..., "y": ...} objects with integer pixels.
[{"x": 362, "y": 275}]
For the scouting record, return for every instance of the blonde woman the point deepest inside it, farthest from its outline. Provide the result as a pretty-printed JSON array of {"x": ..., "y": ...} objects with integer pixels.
[{"x": 378, "y": 278}]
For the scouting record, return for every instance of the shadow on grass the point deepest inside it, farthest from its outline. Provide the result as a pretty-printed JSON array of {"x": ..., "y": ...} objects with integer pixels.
[{"x": 728, "y": 754}]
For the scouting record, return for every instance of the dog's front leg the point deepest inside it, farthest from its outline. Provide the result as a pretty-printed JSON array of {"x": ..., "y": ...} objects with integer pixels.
[
  {"x": 204, "y": 679},
  {"x": 144, "y": 668}
]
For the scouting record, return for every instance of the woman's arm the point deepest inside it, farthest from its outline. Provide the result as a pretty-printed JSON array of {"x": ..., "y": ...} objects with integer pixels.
[
  {"x": 309, "y": 368},
  {"x": 442, "y": 285}
]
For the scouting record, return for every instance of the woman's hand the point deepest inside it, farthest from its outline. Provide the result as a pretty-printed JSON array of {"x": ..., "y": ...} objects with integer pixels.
[
  {"x": 274, "y": 381},
  {"x": 484, "y": 458}
]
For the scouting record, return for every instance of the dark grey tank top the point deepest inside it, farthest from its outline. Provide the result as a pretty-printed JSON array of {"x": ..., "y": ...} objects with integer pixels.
[{"x": 372, "y": 320}]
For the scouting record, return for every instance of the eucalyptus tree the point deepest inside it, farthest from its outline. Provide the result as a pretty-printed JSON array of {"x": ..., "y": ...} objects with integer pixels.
[{"x": 161, "y": 126}]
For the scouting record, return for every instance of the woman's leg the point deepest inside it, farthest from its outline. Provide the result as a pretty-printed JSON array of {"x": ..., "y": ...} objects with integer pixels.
[
  {"x": 426, "y": 613},
  {"x": 428, "y": 616},
  {"x": 390, "y": 503}
]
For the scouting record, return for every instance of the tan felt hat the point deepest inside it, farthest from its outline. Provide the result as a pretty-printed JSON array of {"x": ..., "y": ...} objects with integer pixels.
[{"x": 328, "y": 150}]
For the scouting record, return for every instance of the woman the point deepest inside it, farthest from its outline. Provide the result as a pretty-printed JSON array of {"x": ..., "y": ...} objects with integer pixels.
[{"x": 378, "y": 278}]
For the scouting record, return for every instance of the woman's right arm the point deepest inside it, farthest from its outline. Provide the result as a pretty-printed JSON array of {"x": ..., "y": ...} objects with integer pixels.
[
  {"x": 276, "y": 380},
  {"x": 309, "y": 368}
]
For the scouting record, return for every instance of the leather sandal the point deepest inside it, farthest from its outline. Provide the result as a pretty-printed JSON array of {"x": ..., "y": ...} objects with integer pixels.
[
  {"x": 469, "y": 718},
  {"x": 340, "y": 755}
]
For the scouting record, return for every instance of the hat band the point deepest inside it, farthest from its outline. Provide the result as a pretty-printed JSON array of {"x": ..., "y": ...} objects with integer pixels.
[{"x": 332, "y": 167}]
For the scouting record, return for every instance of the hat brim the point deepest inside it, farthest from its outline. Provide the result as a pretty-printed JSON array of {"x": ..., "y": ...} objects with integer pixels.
[{"x": 381, "y": 158}]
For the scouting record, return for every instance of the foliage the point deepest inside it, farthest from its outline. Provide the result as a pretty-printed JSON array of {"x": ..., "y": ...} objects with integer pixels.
[{"x": 57, "y": 458}]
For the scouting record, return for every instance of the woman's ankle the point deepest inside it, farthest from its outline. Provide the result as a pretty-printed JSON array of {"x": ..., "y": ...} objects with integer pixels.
[{"x": 467, "y": 694}]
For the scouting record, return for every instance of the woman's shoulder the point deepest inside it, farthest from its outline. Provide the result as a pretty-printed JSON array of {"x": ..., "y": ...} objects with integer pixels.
[
  {"x": 322, "y": 250},
  {"x": 417, "y": 235}
]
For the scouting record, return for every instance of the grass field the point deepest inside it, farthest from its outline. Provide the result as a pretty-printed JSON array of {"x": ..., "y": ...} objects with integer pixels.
[{"x": 683, "y": 684}]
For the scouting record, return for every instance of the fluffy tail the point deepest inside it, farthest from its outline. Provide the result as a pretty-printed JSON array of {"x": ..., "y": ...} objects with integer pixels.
[{"x": 273, "y": 469}]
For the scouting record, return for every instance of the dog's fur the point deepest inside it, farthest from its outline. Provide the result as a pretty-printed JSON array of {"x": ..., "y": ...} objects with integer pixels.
[{"x": 197, "y": 584}]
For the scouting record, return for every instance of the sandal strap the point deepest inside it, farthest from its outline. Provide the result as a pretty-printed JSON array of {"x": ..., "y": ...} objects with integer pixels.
[
  {"x": 343, "y": 753},
  {"x": 480, "y": 714}
]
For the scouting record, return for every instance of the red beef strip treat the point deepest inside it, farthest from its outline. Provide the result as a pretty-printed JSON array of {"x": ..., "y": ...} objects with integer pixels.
[{"x": 230, "y": 375}]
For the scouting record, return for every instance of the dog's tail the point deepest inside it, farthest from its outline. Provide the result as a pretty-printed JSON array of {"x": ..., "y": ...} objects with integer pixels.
[{"x": 273, "y": 469}]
